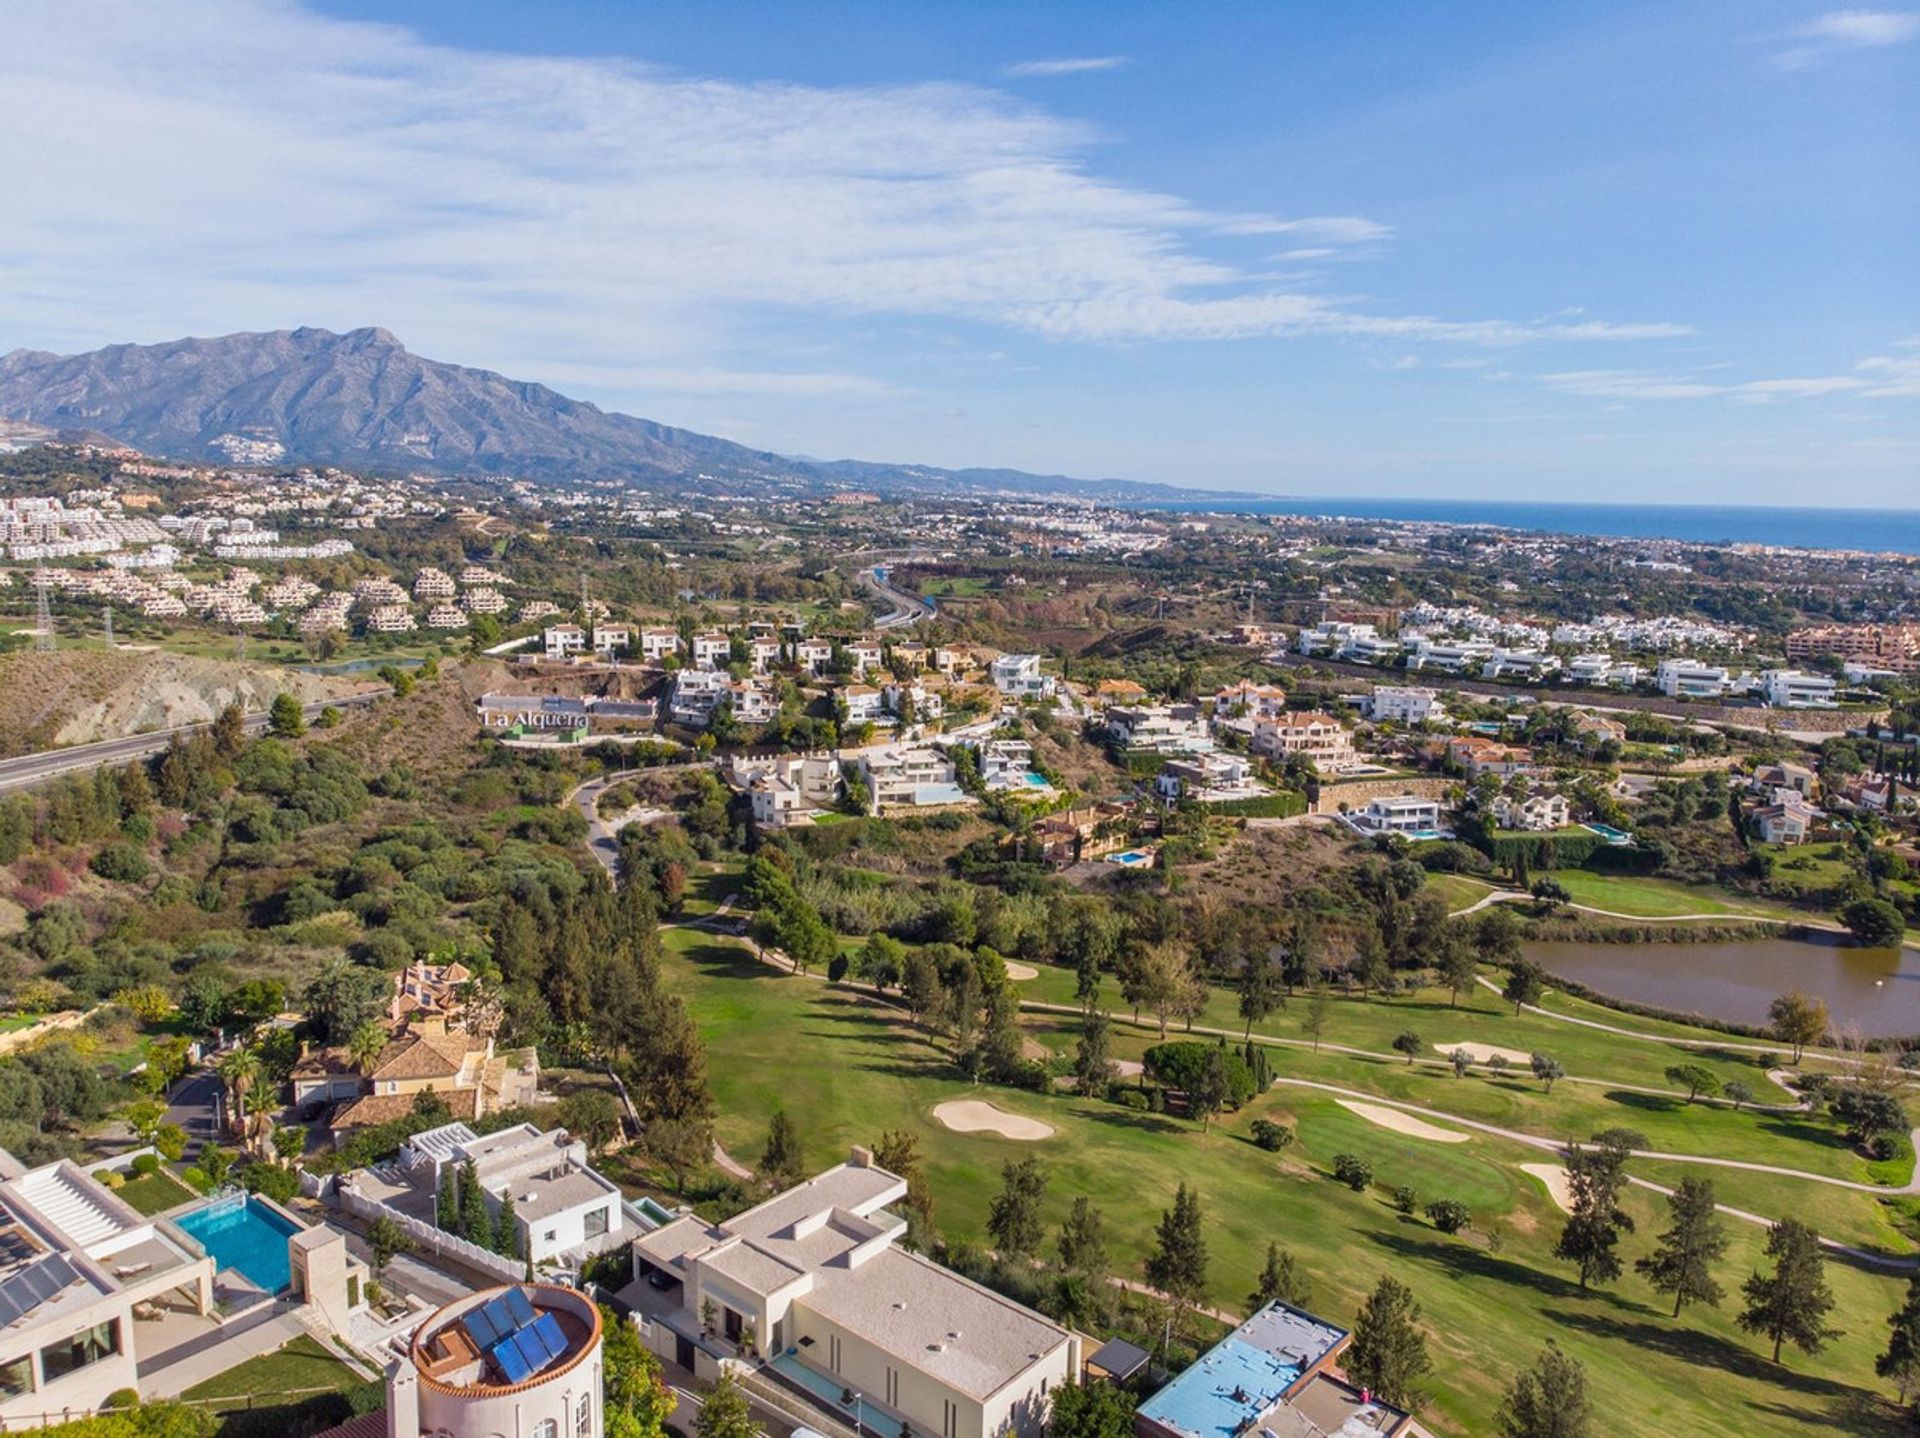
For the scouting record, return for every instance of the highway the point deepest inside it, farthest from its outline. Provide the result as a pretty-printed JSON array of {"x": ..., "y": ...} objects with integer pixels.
[
  {"x": 907, "y": 608},
  {"x": 28, "y": 770}
]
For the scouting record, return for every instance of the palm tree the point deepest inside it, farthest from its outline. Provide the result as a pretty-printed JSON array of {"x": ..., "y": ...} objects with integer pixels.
[
  {"x": 366, "y": 1045},
  {"x": 241, "y": 1071}
]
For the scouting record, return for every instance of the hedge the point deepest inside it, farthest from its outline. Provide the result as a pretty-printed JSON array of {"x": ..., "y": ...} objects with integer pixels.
[
  {"x": 1562, "y": 849},
  {"x": 1283, "y": 805}
]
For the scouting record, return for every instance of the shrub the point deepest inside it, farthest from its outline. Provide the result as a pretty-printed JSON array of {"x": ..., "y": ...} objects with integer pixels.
[
  {"x": 1272, "y": 1136},
  {"x": 1352, "y": 1170},
  {"x": 1405, "y": 1199},
  {"x": 121, "y": 862},
  {"x": 837, "y": 968},
  {"x": 1128, "y": 1096},
  {"x": 144, "y": 1164},
  {"x": 1449, "y": 1215}
]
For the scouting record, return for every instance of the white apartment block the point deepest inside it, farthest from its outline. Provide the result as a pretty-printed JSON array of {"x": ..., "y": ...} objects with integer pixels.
[
  {"x": 391, "y": 619},
  {"x": 446, "y": 616},
  {"x": 819, "y": 1275},
  {"x": 483, "y": 600},
  {"x": 1690, "y": 679},
  {"x": 1404, "y": 704},
  {"x": 433, "y": 584}
]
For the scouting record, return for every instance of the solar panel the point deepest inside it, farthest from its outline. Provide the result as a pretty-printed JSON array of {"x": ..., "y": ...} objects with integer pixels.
[
  {"x": 548, "y": 1327},
  {"x": 507, "y": 1357},
  {"x": 481, "y": 1327},
  {"x": 531, "y": 1351},
  {"x": 517, "y": 1305}
]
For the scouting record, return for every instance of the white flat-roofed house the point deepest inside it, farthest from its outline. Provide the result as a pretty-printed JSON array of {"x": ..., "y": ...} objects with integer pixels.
[
  {"x": 1449, "y": 656},
  {"x": 1158, "y": 728},
  {"x": 813, "y": 655},
  {"x": 1401, "y": 814},
  {"x": 1331, "y": 636},
  {"x": 819, "y": 1276},
  {"x": 1309, "y": 734},
  {"x": 1690, "y": 679},
  {"x": 1369, "y": 649},
  {"x": 1519, "y": 664},
  {"x": 862, "y": 701},
  {"x": 1537, "y": 813},
  {"x": 910, "y": 778},
  {"x": 1795, "y": 689},
  {"x": 562, "y": 1208},
  {"x": 1019, "y": 676},
  {"x": 695, "y": 694},
  {"x": 562, "y": 641},
  {"x": 80, "y": 1271},
  {"x": 1202, "y": 775},
  {"x": 763, "y": 653},
  {"x": 656, "y": 643},
  {"x": 712, "y": 650},
  {"x": 787, "y": 786},
  {"x": 1404, "y": 704}
]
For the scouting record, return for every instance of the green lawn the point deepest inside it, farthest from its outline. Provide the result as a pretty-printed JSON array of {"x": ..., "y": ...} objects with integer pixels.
[
  {"x": 1663, "y": 898},
  {"x": 154, "y": 1192},
  {"x": 847, "y": 1068},
  {"x": 1458, "y": 890},
  {"x": 272, "y": 1378}
]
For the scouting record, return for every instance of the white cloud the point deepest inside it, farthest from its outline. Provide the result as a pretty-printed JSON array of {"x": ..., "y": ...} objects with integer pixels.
[
  {"x": 1846, "y": 30},
  {"x": 1067, "y": 65},
  {"x": 1878, "y": 377},
  {"x": 224, "y": 164}
]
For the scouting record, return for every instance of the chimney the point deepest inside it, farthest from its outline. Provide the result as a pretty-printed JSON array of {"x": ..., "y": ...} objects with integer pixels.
[{"x": 861, "y": 1157}]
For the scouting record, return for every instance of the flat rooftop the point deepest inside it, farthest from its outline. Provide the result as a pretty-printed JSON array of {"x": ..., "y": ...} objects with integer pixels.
[{"x": 1242, "y": 1378}]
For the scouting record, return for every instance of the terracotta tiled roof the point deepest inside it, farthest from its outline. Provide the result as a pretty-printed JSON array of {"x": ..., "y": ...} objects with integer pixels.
[
  {"x": 423, "y": 1056},
  {"x": 371, "y": 1109}
]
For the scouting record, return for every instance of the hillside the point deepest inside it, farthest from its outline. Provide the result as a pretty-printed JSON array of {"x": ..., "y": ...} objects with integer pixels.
[{"x": 363, "y": 400}]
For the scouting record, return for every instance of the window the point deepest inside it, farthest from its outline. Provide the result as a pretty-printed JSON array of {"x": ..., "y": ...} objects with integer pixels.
[
  {"x": 87, "y": 1346},
  {"x": 583, "y": 1419},
  {"x": 16, "y": 1377},
  {"x": 597, "y": 1222},
  {"x": 546, "y": 1428}
]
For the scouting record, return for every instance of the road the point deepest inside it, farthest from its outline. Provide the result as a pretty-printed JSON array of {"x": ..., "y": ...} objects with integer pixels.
[
  {"x": 28, "y": 770},
  {"x": 908, "y": 609},
  {"x": 194, "y": 1105}
]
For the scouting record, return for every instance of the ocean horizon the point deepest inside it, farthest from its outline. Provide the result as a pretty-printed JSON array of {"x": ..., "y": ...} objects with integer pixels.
[{"x": 1889, "y": 531}]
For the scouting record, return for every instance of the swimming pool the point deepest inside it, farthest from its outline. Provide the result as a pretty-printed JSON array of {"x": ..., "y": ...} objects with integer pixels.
[
  {"x": 1131, "y": 859},
  {"x": 1609, "y": 833},
  {"x": 1036, "y": 781},
  {"x": 243, "y": 1233}
]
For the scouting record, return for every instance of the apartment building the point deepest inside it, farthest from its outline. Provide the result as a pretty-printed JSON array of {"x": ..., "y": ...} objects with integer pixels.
[
  {"x": 1404, "y": 704},
  {"x": 1308, "y": 734}
]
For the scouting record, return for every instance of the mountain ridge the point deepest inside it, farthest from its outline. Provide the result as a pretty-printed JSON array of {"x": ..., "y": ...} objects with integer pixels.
[{"x": 361, "y": 399}]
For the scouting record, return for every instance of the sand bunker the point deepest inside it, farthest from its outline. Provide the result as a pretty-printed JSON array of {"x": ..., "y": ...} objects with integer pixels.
[
  {"x": 1555, "y": 1179},
  {"x": 1480, "y": 1053},
  {"x": 971, "y": 1115},
  {"x": 1020, "y": 973},
  {"x": 1403, "y": 1123}
]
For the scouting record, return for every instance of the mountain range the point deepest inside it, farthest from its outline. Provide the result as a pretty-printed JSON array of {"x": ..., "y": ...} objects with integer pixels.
[{"x": 362, "y": 400}]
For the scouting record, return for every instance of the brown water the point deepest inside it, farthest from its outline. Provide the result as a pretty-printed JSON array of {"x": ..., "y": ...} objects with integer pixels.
[{"x": 1873, "y": 991}]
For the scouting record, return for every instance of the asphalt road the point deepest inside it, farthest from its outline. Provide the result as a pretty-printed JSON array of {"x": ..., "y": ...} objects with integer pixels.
[
  {"x": 28, "y": 770},
  {"x": 907, "y": 608}
]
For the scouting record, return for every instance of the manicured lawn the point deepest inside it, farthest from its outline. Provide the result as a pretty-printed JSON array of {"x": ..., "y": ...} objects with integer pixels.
[
  {"x": 154, "y": 1192},
  {"x": 304, "y": 1364},
  {"x": 1662, "y": 898},
  {"x": 1458, "y": 890},
  {"x": 847, "y": 1069}
]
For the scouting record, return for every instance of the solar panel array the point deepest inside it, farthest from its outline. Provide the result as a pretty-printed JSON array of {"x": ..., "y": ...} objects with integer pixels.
[
  {"x": 518, "y": 1338},
  {"x": 22, "y": 1292}
]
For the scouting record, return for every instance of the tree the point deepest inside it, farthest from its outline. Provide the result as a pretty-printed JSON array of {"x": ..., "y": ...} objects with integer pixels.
[
  {"x": 1868, "y": 1111},
  {"x": 1874, "y": 923},
  {"x": 343, "y": 996},
  {"x": 1547, "y": 1070},
  {"x": 1790, "y": 1305},
  {"x": 1389, "y": 1353},
  {"x": 1696, "y": 1079},
  {"x": 783, "y": 1162},
  {"x": 1271, "y": 1136},
  {"x": 229, "y": 732},
  {"x": 898, "y": 1151},
  {"x": 1214, "y": 1088},
  {"x": 1407, "y": 1043},
  {"x": 1525, "y": 982},
  {"x": 1901, "y": 1361},
  {"x": 476, "y": 1223},
  {"x": 1548, "y": 1400},
  {"x": 385, "y": 1238},
  {"x": 1459, "y": 965},
  {"x": 446, "y": 1203},
  {"x": 1595, "y": 1219},
  {"x": 1083, "y": 1242},
  {"x": 1738, "y": 1093},
  {"x": 920, "y": 984},
  {"x": 1261, "y": 988},
  {"x": 1161, "y": 980},
  {"x": 506, "y": 1227},
  {"x": 240, "y": 1071},
  {"x": 366, "y": 1044},
  {"x": 1281, "y": 1279},
  {"x": 1462, "y": 1060},
  {"x": 1683, "y": 1257},
  {"x": 1449, "y": 1215},
  {"x": 724, "y": 1413},
  {"x": 1093, "y": 1066},
  {"x": 638, "y": 1401},
  {"x": 682, "y": 1144},
  {"x": 1013, "y": 1216},
  {"x": 1498, "y": 935},
  {"x": 285, "y": 718},
  {"x": 1352, "y": 1170},
  {"x": 1799, "y": 1020},
  {"x": 1177, "y": 1267},
  {"x": 1313, "y": 1023},
  {"x": 1090, "y": 1410}
]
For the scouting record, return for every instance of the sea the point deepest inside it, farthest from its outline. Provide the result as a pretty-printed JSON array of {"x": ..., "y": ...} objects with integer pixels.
[{"x": 1895, "y": 531}]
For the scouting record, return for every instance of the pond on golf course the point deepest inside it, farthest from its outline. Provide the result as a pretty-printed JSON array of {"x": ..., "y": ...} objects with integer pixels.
[{"x": 1874, "y": 992}]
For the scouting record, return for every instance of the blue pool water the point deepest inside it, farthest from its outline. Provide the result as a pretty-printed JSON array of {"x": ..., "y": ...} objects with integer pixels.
[
  {"x": 1133, "y": 858},
  {"x": 828, "y": 1389},
  {"x": 247, "y": 1236},
  {"x": 1609, "y": 833},
  {"x": 1037, "y": 781}
]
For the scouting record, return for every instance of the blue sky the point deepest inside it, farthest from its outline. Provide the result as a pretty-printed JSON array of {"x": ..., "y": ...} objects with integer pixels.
[{"x": 1660, "y": 253}]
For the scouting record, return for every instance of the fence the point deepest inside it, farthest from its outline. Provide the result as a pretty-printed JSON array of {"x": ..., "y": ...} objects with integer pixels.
[{"x": 425, "y": 1236}]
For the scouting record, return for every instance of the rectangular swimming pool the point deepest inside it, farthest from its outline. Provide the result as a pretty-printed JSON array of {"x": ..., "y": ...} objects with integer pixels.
[{"x": 244, "y": 1234}]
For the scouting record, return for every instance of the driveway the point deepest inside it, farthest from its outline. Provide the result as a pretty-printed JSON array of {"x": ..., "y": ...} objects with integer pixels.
[{"x": 195, "y": 1105}]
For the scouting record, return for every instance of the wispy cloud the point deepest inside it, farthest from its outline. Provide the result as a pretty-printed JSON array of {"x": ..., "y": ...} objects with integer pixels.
[
  {"x": 1894, "y": 376},
  {"x": 1065, "y": 65},
  {"x": 1839, "y": 30},
  {"x": 251, "y": 164}
]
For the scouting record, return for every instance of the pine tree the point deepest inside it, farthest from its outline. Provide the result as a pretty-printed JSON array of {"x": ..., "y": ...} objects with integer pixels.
[
  {"x": 1389, "y": 1353},
  {"x": 782, "y": 1163},
  {"x": 1901, "y": 1361},
  {"x": 1281, "y": 1279},
  {"x": 1093, "y": 1063},
  {"x": 1260, "y": 988},
  {"x": 1178, "y": 1264},
  {"x": 1683, "y": 1258},
  {"x": 1013, "y": 1217},
  {"x": 1549, "y": 1400},
  {"x": 1790, "y": 1305},
  {"x": 1083, "y": 1242},
  {"x": 1595, "y": 1219}
]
